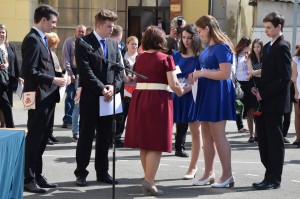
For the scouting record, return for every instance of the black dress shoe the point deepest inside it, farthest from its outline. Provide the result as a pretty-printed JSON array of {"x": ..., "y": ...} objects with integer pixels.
[
  {"x": 182, "y": 154},
  {"x": 106, "y": 178},
  {"x": 33, "y": 187},
  {"x": 267, "y": 185},
  {"x": 255, "y": 184},
  {"x": 81, "y": 181},
  {"x": 49, "y": 142},
  {"x": 53, "y": 139},
  {"x": 42, "y": 182}
]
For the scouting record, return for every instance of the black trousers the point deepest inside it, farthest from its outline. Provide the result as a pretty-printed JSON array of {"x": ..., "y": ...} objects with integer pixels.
[
  {"x": 40, "y": 124},
  {"x": 271, "y": 145},
  {"x": 181, "y": 130},
  {"x": 89, "y": 121},
  {"x": 5, "y": 106},
  {"x": 287, "y": 121},
  {"x": 122, "y": 119},
  {"x": 239, "y": 121}
]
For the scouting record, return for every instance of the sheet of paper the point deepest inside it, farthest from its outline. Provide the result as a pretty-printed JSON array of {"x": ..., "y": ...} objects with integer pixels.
[
  {"x": 62, "y": 89},
  {"x": 194, "y": 90},
  {"x": 177, "y": 71},
  {"x": 19, "y": 90},
  {"x": 106, "y": 108}
]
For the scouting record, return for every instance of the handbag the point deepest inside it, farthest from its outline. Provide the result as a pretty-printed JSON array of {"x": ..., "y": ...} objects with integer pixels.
[{"x": 238, "y": 90}]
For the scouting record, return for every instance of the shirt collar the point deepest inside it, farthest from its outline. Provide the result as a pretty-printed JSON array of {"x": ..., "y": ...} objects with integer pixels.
[
  {"x": 272, "y": 42},
  {"x": 40, "y": 32},
  {"x": 97, "y": 36}
]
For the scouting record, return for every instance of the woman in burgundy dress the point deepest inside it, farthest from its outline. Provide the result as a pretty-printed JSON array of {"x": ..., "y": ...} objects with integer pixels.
[{"x": 150, "y": 118}]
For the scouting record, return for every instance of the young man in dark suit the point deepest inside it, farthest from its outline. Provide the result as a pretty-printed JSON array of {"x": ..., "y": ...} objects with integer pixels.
[
  {"x": 40, "y": 77},
  {"x": 273, "y": 93},
  {"x": 96, "y": 79}
]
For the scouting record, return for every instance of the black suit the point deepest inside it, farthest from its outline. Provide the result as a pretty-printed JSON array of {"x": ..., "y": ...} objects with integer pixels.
[
  {"x": 94, "y": 74},
  {"x": 274, "y": 89},
  {"x": 38, "y": 72},
  {"x": 13, "y": 70}
]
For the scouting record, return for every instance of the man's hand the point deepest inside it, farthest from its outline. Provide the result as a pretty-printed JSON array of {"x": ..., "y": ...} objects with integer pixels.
[
  {"x": 59, "y": 81},
  {"x": 107, "y": 92}
]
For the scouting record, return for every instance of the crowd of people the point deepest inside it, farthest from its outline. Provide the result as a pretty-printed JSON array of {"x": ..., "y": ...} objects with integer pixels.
[{"x": 202, "y": 96}]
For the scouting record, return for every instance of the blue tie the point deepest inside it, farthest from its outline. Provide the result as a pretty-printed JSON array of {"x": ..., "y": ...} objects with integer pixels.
[
  {"x": 46, "y": 43},
  {"x": 104, "y": 47}
]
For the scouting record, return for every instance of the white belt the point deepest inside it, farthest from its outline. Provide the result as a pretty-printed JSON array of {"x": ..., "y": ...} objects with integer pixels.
[{"x": 151, "y": 86}]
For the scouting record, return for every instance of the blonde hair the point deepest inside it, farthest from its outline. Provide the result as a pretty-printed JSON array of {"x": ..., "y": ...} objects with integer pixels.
[
  {"x": 2, "y": 26},
  {"x": 130, "y": 38},
  {"x": 53, "y": 39}
]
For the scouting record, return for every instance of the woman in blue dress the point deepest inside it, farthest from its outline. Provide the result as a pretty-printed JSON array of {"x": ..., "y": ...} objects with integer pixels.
[
  {"x": 187, "y": 60},
  {"x": 215, "y": 101}
]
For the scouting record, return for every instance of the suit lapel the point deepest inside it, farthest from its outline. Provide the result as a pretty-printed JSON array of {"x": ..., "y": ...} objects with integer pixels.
[
  {"x": 95, "y": 44},
  {"x": 40, "y": 39}
]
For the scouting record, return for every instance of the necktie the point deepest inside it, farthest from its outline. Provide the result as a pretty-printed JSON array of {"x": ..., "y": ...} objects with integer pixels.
[
  {"x": 103, "y": 47},
  {"x": 46, "y": 43}
]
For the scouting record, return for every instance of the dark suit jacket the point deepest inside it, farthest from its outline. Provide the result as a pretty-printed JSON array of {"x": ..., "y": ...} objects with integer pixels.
[
  {"x": 274, "y": 86},
  {"x": 91, "y": 68},
  {"x": 38, "y": 68},
  {"x": 13, "y": 68}
]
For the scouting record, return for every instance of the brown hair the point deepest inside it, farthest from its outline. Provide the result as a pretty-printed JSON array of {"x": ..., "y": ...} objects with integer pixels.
[
  {"x": 53, "y": 39},
  {"x": 275, "y": 18},
  {"x": 105, "y": 15},
  {"x": 117, "y": 31},
  {"x": 252, "y": 53},
  {"x": 214, "y": 30},
  {"x": 154, "y": 38},
  {"x": 297, "y": 50},
  {"x": 196, "y": 42},
  {"x": 243, "y": 43}
]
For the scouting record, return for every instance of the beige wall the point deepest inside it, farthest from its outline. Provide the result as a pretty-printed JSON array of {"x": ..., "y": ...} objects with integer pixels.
[
  {"x": 239, "y": 20},
  {"x": 193, "y": 9},
  {"x": 17, "y": 15}
]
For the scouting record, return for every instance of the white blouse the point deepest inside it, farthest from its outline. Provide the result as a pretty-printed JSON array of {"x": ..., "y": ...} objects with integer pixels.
[
  {"x": 296, "y": 59},
  {"x": 241, "y": 72}
]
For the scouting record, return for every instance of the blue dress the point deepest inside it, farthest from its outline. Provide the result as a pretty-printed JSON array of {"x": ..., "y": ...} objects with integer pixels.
[
  {"x": 215, "y": 99},
  {"x": 184, "y": 105}
]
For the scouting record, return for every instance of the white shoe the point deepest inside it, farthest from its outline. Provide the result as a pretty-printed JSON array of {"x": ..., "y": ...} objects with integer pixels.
[
  {"x": 229, "y": 181},
  {"x": 210, "y": 180},
  {"x": 192, "y": 176}
]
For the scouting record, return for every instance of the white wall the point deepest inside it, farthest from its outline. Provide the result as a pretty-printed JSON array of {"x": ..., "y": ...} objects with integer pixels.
[{"x": 287, "y": 33}]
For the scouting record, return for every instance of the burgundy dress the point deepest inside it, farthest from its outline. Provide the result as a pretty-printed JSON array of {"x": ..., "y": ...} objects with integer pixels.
[{"x": 150, "y": 116}]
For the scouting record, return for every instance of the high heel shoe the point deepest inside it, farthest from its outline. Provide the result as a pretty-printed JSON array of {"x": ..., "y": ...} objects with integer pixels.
[
  {"x": 192, "y": 176},
  {"x": 210, "y": 179},
  {"x": 229, "y": 181},
  {"x": 149, "y": 189}
]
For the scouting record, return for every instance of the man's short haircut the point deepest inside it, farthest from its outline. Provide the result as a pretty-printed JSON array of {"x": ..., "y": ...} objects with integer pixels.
[
  {"x": 105, "y": 15},
  {"x": 275, "y": 18},
  {"x": 117, "y": 31},
  {"x": 44, "y": 10}
]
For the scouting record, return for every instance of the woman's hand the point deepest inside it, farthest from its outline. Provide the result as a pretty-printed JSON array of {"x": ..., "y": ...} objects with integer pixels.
[
  {"x": 193, "y": 77},
  {"x": 187, "y": 89}
]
